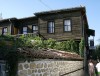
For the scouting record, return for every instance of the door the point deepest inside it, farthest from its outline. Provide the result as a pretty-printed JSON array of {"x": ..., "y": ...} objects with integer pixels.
[
  {"x": 15, "y": 30},
  {"x": 0, "y": 30}
]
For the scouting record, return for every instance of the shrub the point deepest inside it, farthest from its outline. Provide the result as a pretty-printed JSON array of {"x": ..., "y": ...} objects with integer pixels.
[
  {"x": 38, "y": 43},
  {"x": 81, "y": 47}
]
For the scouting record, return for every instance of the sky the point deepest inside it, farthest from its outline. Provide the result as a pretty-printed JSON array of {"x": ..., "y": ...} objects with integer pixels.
[{"x": 27, "y": 8}]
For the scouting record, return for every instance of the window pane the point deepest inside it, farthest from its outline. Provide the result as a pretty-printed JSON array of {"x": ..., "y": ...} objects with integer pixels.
[
  {"x": 67, "y": 25},
  {"x": 65, "y": 28},
  {"x": 53, "y": 24},
  {"x": 50, "y": 30},
  {"x": 1, "y": 71},
  {"x": 69, "y": 28},
  {"x": 51, "y": 27},
  {"x": 35, "y": 29},
  {"x": 3, "y": 67},
  {"x": 67, "y": 22},
  {"x": 24, "y": 32},
  {"x": 24, "y": 28},
  {"x": 5, "y": 30}
]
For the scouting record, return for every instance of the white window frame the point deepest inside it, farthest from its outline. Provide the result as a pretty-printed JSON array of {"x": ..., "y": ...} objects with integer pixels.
[
  {"x": 51, "y": 27},
  {"x": 67, "y": 25},
  {"x": 24, "y": 30}
]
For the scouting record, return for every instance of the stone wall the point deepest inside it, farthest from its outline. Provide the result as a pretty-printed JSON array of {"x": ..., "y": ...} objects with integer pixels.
[{"x": 50, "y": 67}]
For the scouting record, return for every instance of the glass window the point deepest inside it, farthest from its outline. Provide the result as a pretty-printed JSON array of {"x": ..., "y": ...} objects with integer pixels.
[
  {"x": 2, "y": 70},
  {"x": 35, "y": 29},
  {"x": 4, "y": 31},
  {"x": 67, "y": 25},
  {"x": 24, "y": 30},
  {"x": 50, "y": 27}
]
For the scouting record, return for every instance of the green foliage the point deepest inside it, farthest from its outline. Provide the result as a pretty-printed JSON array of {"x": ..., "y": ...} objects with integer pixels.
[
  {"x": 8, "y": 47},
  {"x": 12, "y": 43},
  {"x": 58, "y": 45},
  {"x": 50, "y": 43},
  {"x": 69, "y": 45},
  {"x": 64, "y": 45},
  {"x": 98, "y": 51},
  {"x": 12, "y": 63},
  {"x": 38, "y": 43},
  {"x": 23, "y": 41},
  {"x": 6, "y": 44},
  {"x": 73, "y": 45},
  {"x": 94, "y": 54},
  {"x": 81, "y": 47}
]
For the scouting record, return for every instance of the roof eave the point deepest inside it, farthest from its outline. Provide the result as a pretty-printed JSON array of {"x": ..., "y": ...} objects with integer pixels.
[
  {"x": 8, "y": 19},
  {"x": 61, "y": 10}
]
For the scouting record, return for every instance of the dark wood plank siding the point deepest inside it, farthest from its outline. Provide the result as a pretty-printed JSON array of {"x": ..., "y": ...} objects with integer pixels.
[
  {"x": 5, "y": 24},
  {"x": 27, "y": 23},
  {"x": 77, "y": 26},
  {"x": 59, "y": 34}
]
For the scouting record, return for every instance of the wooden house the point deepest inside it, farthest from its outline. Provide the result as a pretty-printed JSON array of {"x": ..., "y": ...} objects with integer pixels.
[{"x": 60, "y": 24}]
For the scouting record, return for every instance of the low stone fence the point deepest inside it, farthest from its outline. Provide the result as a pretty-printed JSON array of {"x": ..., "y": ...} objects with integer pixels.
[{"x": 50, "y": 67}]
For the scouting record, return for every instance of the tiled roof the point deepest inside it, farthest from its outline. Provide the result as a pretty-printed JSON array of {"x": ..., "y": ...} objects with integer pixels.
[{"x": 48, "y": 54}]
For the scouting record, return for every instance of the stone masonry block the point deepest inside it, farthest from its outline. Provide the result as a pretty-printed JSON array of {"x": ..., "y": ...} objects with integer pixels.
[
  {"x": 32, "y": 65},
  {"x": 20, "y": 67}
]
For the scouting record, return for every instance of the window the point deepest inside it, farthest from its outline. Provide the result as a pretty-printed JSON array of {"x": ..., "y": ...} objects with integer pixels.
[
  {"x": 35, "y": 29},
  {"x": 24, "y": 30},
  {"x": 2, "y": 70},
  {"x": 67, "y": 25},
  {"x": 51, "y": 27},
  {"x": 4, "y": 31}
]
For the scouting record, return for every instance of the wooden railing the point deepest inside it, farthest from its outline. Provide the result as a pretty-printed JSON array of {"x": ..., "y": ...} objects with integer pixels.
[
  {"x": 30, "y": 35},
  {"x": 27, "y": 35}
]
